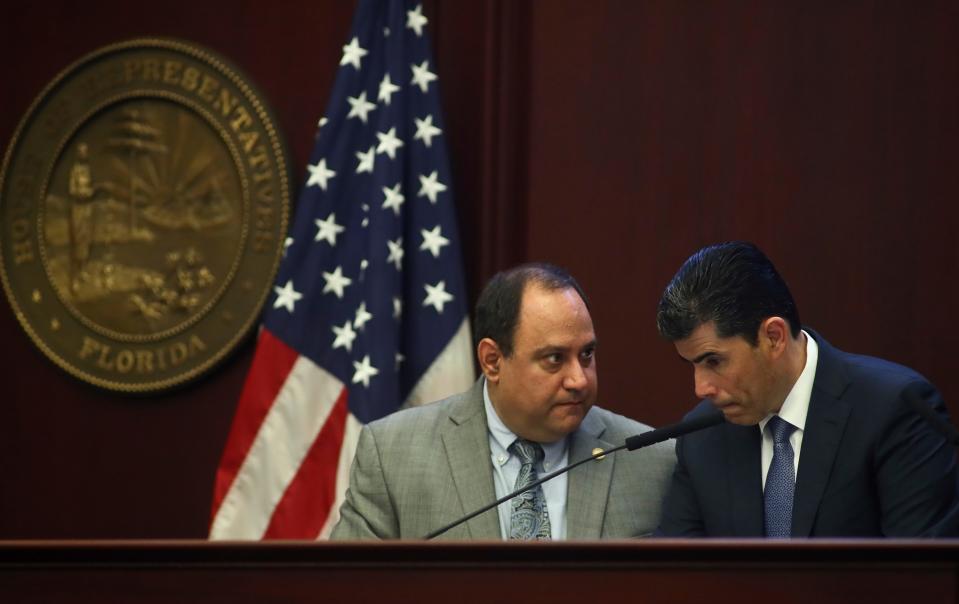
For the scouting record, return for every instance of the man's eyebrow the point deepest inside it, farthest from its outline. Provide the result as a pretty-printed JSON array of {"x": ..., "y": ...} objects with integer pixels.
[
  {"x": 551, "y": 348},
  {"x": 703, "y": 357}
]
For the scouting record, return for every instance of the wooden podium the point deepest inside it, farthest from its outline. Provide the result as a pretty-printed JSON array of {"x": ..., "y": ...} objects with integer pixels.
[{"x": 714, "y": 571}]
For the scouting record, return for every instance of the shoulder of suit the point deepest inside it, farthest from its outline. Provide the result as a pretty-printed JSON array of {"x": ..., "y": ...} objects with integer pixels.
[
  {"x": 873, "y": 368},
  {"x": 418, "y": 416},
  {"x": 871, "y": 372},
  {"x": 860, "y": 364},
  {"x": 872, "y": 385},
  {"x": 617, "y": 425}
]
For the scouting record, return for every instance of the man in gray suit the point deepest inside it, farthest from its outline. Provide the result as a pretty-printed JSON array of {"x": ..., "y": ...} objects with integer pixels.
[{"x": 531, "y": 412}]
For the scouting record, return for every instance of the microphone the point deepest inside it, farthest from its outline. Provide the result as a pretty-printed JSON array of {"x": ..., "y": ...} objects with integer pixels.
[
  {"x": 652, "y": 437},
  {"x": 914, "y": 396},
  {"x": 632, "y": 443}
]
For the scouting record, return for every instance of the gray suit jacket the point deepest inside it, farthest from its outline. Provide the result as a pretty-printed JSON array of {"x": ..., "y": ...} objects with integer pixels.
[{"x": 420, "y": 469}]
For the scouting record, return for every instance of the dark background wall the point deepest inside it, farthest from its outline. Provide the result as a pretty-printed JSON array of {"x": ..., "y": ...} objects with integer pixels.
[{"x": 614, "y": 138}]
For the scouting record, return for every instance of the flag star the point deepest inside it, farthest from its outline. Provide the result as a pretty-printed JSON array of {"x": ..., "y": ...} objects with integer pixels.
[
  {"x": 352, "y": 53},
  {"x": 359, "y": 106},
  {"x": 415, "y": 20},
  {"x": 396, "y": 252},
  {"x": 319, "y": 174},
  {"x": 322, "y": 122},
  {"x": 397, "y": 307},
  {"x": 437, "y": 296},
  {"x": 362, "y": 316},
  {"x": 344, "y": 337},
  {"x": 364, "y": 371},
  {"x": 393, "y": 198},
  {"x": 433, "y": 241},
  {"x": 387, "y": 88},
  {"x": 430, "y": 186},
  {"x": 328, "y": 229},
  {"x": 399, "y": 360},
  {"x": 389, "y": 143},
  {"x": 286, "y": 296},
  {"x": 366, "y": 160},
  {"x": 425, "y": 130},
  {"x": 286, "y": 244},
  {"x": 422, "y": 76},
  {"x": 336, "y": 282}
]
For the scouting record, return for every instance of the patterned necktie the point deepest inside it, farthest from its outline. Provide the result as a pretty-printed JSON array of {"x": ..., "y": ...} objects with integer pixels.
[
  {"x": 780, "y": 480},
  {"x": 529, "y": 518}
]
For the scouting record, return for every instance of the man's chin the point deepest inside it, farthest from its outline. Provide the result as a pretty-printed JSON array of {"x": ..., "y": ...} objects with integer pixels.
[
  {"x": 563, "y": 421},
  {"x": 567, "y": 417},
  {"x": 735, "y": 414}
]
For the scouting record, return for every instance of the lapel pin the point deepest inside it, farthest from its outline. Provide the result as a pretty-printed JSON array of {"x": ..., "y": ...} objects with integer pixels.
[{"x": 597, "y": 451}]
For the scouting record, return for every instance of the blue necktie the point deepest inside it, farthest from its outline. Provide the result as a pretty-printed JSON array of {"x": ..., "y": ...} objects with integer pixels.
[
  {"x": 780, "y": 480},
  {"x": 529, "y": 518}
]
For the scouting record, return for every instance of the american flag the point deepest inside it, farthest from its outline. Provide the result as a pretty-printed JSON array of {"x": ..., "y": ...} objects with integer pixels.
[{"x": 369, "y": 309}]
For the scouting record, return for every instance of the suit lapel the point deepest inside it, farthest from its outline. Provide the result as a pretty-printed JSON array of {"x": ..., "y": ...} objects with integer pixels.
[
  {"x": 467, "y": 449},
  {"x": 825, "y": 422},
  {"x": 588, "y": 485},
  {"x": 744, "y": 475}
]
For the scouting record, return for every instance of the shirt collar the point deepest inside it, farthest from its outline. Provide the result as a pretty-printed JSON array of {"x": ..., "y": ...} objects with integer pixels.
[{"x": 796, "y": 405}]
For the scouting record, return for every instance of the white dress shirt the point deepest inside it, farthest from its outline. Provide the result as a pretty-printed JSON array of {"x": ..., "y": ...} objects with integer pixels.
[{"x": 794, "y": 410}]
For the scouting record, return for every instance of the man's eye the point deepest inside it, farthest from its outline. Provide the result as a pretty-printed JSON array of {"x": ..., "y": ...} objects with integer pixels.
[
  {"x": 555, "y": 358},
  {"x": 588, "y": 354},
  {"x": 712, "y": 362}
]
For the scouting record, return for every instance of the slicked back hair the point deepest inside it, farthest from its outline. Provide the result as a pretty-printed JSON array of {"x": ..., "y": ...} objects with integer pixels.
[
  {"x": 498, "y": 306},
  {"x": 732, "y": 284}
]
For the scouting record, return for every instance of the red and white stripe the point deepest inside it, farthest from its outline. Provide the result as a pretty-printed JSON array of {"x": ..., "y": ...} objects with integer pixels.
[{"x": 285, "y": 467}]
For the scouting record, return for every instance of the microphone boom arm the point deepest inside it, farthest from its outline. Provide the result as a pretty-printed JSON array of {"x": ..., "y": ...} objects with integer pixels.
[
  {"x": 632, "y": 443},
  {"x": 531, "y": 485}
]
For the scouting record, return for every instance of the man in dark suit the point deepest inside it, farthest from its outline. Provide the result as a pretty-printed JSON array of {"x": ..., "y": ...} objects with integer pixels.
[{"x": 818, "y": 442}]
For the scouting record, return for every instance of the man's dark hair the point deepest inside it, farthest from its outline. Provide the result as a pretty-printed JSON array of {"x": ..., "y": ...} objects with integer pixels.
[
  {"x": 497, "y": 310},
  {"x": 732, "y": 284}
]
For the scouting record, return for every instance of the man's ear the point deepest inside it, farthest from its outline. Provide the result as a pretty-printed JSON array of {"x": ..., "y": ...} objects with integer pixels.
[
  {"x": 773, "y": 335},
  {"x": 490, "y": 357}
]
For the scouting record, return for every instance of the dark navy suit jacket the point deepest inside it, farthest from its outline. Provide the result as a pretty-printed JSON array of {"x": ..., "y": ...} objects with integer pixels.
[{"x": 870, "y": 465}]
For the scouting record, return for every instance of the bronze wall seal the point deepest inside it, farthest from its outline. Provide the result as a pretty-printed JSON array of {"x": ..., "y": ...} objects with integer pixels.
[{"x": 144, "y": 201}]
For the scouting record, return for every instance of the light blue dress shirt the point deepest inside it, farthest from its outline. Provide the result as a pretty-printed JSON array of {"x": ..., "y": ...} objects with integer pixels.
[{"x": 506, "y": 468}]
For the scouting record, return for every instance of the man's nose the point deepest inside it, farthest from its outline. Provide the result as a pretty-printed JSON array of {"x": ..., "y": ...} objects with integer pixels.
[
  {"x": 704, "y": 387},
  {"x": 576, "y": 378}
]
